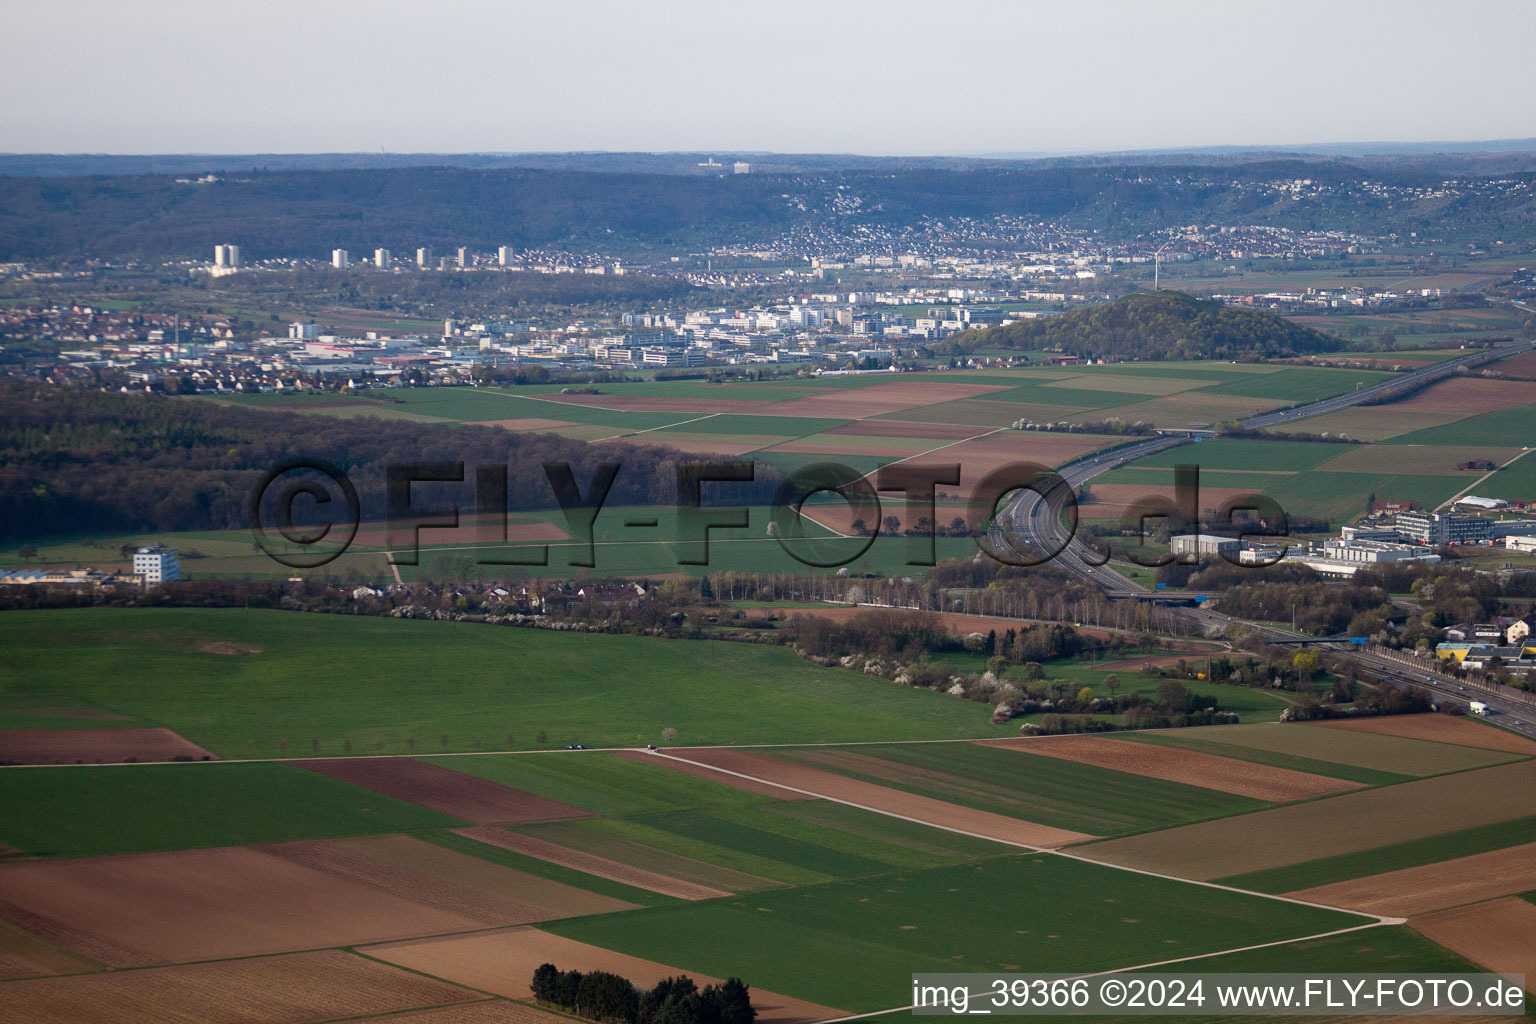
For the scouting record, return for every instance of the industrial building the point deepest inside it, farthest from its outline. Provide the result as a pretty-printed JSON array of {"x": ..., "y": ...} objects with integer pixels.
[
  {"x": 157, "y": 564},
  {"x": 1436, "y": 528}
]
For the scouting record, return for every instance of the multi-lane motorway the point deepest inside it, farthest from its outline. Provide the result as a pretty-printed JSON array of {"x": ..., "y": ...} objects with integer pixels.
[{"x": 1033, "y": 524}]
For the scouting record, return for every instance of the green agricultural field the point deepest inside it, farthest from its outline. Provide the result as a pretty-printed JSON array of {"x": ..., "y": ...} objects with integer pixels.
[
  {"x": 1352, "y": 773},
  {"x": 1046, "y": 790},
  {"x": 71, "y": 811},
  {"x": 604, "y": 784},
  {"x": 1515, "y": 482},
  {"x": 1362, "y": 749},
  {"x": 398, "y": 686},
  {"x": 1391, "y": 857},
  {"x": 1501, "y": 427},
  {"x": 1246, "y": 456},
  {"x": 1301, "y": 384},
  {"x": 750, "y": 425},
  {"x": 853, "y": 944},
  {"x": 1340, "y": 497}
]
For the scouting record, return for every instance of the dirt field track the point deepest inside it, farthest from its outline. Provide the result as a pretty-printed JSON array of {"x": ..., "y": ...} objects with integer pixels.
[
  {"x": 777, "y": 792},
  {"x": 883, "y": 798},
  {"x": 1449, "y": 883},
  {"x": 1442, "y": 729},
  {"x": 145, "y": 909},
  {"x": 67, "y": 746},
  {"x": 1361, "y": 820},
  {"x": 442, "y": 789},
  {"x": 1224, "y": 774},
  {"x": 1500, "y": 935},
  {"x": 592, "y": 864},
  {"x": 503, "y": 962},
  {"x": 272, "y": 990}
]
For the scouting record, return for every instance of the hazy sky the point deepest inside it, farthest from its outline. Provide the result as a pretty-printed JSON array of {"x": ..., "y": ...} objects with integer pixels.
[{"x": 894, "y": 76}]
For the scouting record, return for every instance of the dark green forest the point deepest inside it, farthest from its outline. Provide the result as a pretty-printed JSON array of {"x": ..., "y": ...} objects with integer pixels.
[
  {"x": 73, "y": 460},
  {"x": 1159, "y": 325}
]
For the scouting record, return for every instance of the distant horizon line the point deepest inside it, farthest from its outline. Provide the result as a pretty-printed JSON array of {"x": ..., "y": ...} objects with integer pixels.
[{"x": 1357, "y": 148}]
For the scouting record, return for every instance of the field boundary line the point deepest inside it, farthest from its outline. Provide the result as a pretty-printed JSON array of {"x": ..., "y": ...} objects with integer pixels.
[
  {"x": 647, "y": 430},
  {"x": 1379, "y": 918}
]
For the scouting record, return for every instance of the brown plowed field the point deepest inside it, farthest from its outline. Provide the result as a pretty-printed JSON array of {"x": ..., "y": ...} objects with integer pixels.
[
  {"x": 1522, "y": 365},
  {"x": 1347, "y": 823},
  {"x": 904, "y": 428},
  {"x": 883, "y": 798},
  {"x": 891, "y": 452},
  {"x": 472, "y": 529},
  {"x": 66, "y": 746},
  {"x": 26, "y": 956},
  {"x": 1449, "y": 883},
  {"x": 156, "y": 908},
  {"x": 592, "y": 864},
  {"x": 1500, "y": 935},
  {"x": 442, "y": 789},
  {"x": 759, "y": 788},
  {"x": 447, "y": 880},
  {"x": 874, "y": 400},
  {"x": 1442, "y": 729},
  {"x": 502, "y": 962},
  {"x": 524, "y": 423},
  {"x": 1244, "y": 778},
  {"x": 267, "y": 990},
  {"x": 1469, "y": 396}
]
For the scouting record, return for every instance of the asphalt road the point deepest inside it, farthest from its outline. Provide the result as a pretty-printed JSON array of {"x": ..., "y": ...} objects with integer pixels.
[{"x": 1033, "y": 523}]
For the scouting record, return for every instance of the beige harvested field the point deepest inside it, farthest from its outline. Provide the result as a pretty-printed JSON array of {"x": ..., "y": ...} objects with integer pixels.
[
  {"x": 1448, "y": 883},
  {"x": 67, "y": 746},
  {"x": 777, "y": 792},
  {"x": 503, "y": 962},
  {"x": 1415, "y": 459},
  {"x": 463, "y": 796},
  {"x": 1130, "y": 384},
  {"x": 905, "y": 428},
  {"x": 1375, "y": 423},
  {"x": 883, "y": 798},
  {"x": 1439, "y": 728},
  {"x": 144, "y": 909},
  {"x": 290, "y": 989},
  {"x": 592, "y": 864},
  {"x": 1376, "y": 751},
  {"x": 23, "y": 955},
  {"x": 875, "y": 399},
  {"x": 523, "y": 423},
  {"x": 1500, "y": 935},
  {"x": 1244, "y": 778},
  {"x": 1348, "y": 823},
  {"x": 1467, "y": 396}
]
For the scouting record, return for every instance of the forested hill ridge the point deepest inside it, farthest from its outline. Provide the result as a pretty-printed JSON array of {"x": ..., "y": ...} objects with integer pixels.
[
  {"x": 1155, "y": 326},
  {"x": 306, "y": 213}
]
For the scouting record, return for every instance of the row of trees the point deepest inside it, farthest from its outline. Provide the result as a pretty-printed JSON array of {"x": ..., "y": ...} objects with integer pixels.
[{"x": 613, "y": 999}]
